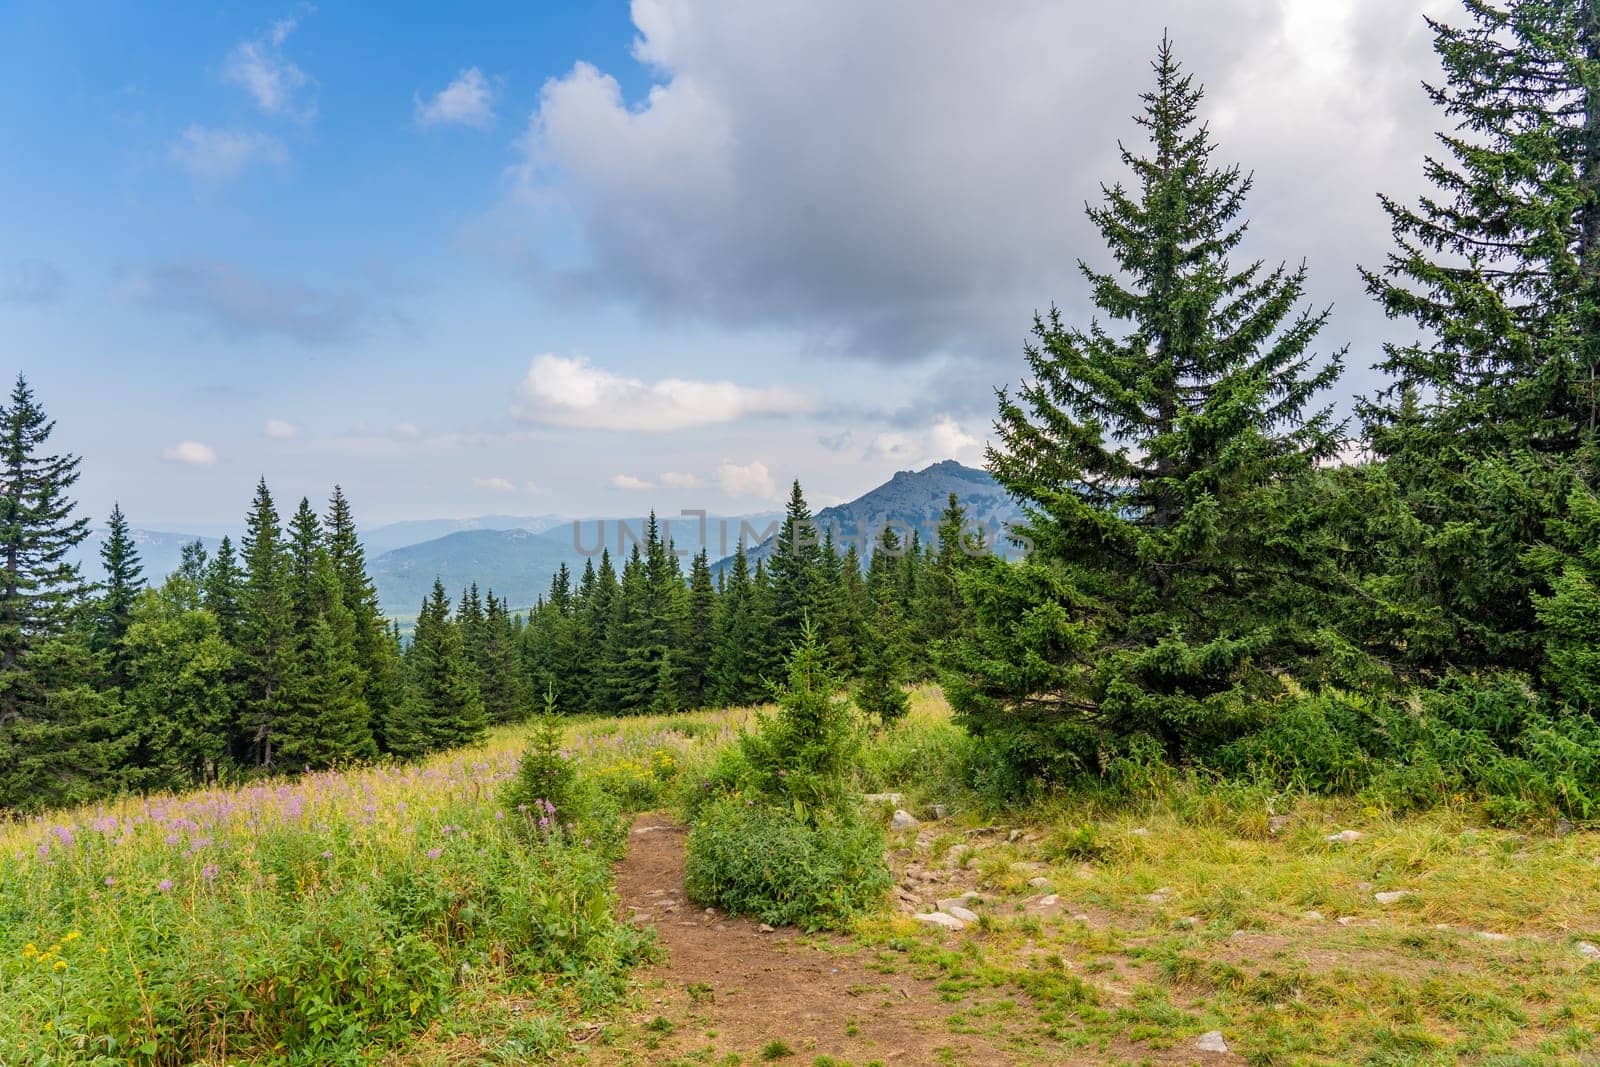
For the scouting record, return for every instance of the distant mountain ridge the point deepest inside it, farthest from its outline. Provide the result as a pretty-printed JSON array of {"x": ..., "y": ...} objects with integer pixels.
[
  {"x": 516, "y": 556},
  {"x": 911, "y": 501}
]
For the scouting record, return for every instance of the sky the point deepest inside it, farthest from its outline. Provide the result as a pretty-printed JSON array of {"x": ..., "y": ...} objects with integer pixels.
[{"x": 546, "y": 257}]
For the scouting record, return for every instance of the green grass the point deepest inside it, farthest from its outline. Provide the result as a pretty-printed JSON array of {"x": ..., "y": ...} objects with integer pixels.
[{"x": 369, "y": 910}]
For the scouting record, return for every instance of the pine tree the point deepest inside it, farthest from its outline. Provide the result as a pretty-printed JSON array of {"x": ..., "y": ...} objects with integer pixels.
[
  {"x": 1158, "y": 470},
  {"x": 795, "y": 571},
  {"x": 323, "y": 717},
  {"x": 374, "y": 649},
  {"x": 264, "y": 634},
  {"x": 222, "y": 591},
  {"x": 39, "y": 587},
  {"x": 1490, "y": 424},
  {"x": 502, "y": 690},
  {"x": 443, "y": 708},
  {"x": 737, "y": 648},
  {"x": 697, "y": 641},
  {"x": 119, "y": 592}
]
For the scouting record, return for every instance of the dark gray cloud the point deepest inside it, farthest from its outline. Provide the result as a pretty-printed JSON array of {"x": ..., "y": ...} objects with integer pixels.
[
  {"x": 905, "y": 179},
  {"x": 31, "y": 281},
  {"x": 241, "y": 303}
]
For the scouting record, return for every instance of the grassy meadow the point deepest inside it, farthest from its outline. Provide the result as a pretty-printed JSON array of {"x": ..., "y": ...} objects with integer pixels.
[{"x": 405, "y": 915}]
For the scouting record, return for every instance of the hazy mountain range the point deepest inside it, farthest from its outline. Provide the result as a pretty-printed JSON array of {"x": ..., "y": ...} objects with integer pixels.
[{"x": 516, "y": 556}]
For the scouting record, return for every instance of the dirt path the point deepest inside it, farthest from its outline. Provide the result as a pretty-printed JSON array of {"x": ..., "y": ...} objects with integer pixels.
[{"x": 729, "y": 987}]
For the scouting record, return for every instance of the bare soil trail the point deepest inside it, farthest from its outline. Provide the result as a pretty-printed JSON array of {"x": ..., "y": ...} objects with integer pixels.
[
  {"x": 727, "y": 985},
  {"x": 728, "y": 989}
]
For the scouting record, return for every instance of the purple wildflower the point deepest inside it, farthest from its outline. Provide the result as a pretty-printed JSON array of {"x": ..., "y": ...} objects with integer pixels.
[
  {"x": 165, "y": 885},
  {"x": 435, "y": 853}
]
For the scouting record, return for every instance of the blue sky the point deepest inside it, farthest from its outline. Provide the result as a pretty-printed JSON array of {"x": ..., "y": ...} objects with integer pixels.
[{"x": 584, "y": 258}]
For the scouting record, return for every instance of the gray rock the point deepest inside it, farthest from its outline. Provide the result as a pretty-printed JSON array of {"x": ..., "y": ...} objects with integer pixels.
[
  {"x": 1278, "y": 824},
  {"x": 939, "y": 811},
  {"x": 1394, "y": 896},
  {"x": 1211, "y": 1041},
  {"x": 956, "y": 902},
  {"x": 939, "y": 918},
  {"x": 883, "y": 798},
  {"x": 1588, "y": 949},
  {"x": 964, "y": 914},
  {"x": 1314, "y": 917},
  {"x": 1490, "y": 935},
  {"x": 1344, "y": 837},
  {"x": 766, "y": 928},
  {"x": 1040, "y": 882},
  {"x": 957, "y": 853},
  {"x": 903, "y": 820},
  {"x": 1049, "y": 901},
  {"x": 1139, "y": 831}
]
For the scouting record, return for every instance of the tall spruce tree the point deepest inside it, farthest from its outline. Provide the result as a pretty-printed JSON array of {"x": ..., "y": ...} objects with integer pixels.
[
  {"x": 443, "y": 708},
  {"x": 1491, "y": 419},
  {"x": 264, "y": 629},
  {"x": 374, "y": 651},
  {"x": 794, "y": 570},
  {"x": 1157, "y": 469},
  {"x": 697, "y": 640},
  {"x": 40, "y": 588},
  {"x": 119, "y": 592}
]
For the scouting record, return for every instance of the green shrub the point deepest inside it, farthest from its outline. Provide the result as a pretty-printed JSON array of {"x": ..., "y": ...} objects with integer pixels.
[
  {"x": 818, "y": 871},
  {"x": 543, "y": 789}
]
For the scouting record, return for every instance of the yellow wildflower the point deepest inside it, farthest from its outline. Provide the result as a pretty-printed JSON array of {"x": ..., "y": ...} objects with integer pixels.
[
  {"x": 30, "y": 950},
  {"x": 61, "y": 965}
]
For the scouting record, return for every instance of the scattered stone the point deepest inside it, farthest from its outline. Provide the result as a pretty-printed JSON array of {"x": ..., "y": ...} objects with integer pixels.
[
  {"x": 1015, "y": 835},
  {"x": 1490, "y": 935},
  {"x": 711, "y": 912},
  {"x": 939, "y": 918},
  {"x": 1346, "y": 920},
  {"x": 641, "y": 917},
  {"x": 1314, "y": 917},
  {"x": 1588, "y": 949},
  {"x": 1188, "y": 923},
  {"x": 1211, "y": 1041},
  {"x": 767, "y": 928},
  {"x": 883, "y": 798},
  {"x": 924, "y": 841},
  {"x": 1366, "y": 887},
  {"x": 964, "y": 914},
  {"x": 1394, "y": 896},
  {"x": 956, "y": 902},
  {"x": 903, "y": 820},
  {"x": 1277, "y": 824},
  {"x": 1040, "y": 882},
  {"x": 1344, "y": 837},
  {"x": 1080, "y": 918},
  {"x": 1049, "y": 901},
  {"x": 957, "y": 853},
  {"x": 1563, "y": 827},
  {"x": 939, "y": 811},
  {"x": 1139, "y": 831}
]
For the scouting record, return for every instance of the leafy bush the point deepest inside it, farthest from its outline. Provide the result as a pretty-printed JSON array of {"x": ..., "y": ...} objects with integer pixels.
[
  {"x": 764, "y": 860},
  {"x": 776, "y": 830}
]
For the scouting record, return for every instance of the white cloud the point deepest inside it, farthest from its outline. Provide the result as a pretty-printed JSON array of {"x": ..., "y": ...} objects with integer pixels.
[
  {"x": 629, "y": 482},
  {"x": 494, "y": 485},
  {"x": 280, "y": 430},
  {"x": 943, "y": 438},
  {"x": 947, "y": 439},
  {"x": 215, "y": 155},
  {"x": 570, "y": 392},
  {"x": 278, "y": 86},
  {"x": 679, "y": 480},
  {"x": 193, "y": 453},
  {"x": 467, "y": 101},
  {"x": 903, "y": 179},
  {"x": 750, "y": 479},
  {"x": 407, "y": 431}
]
